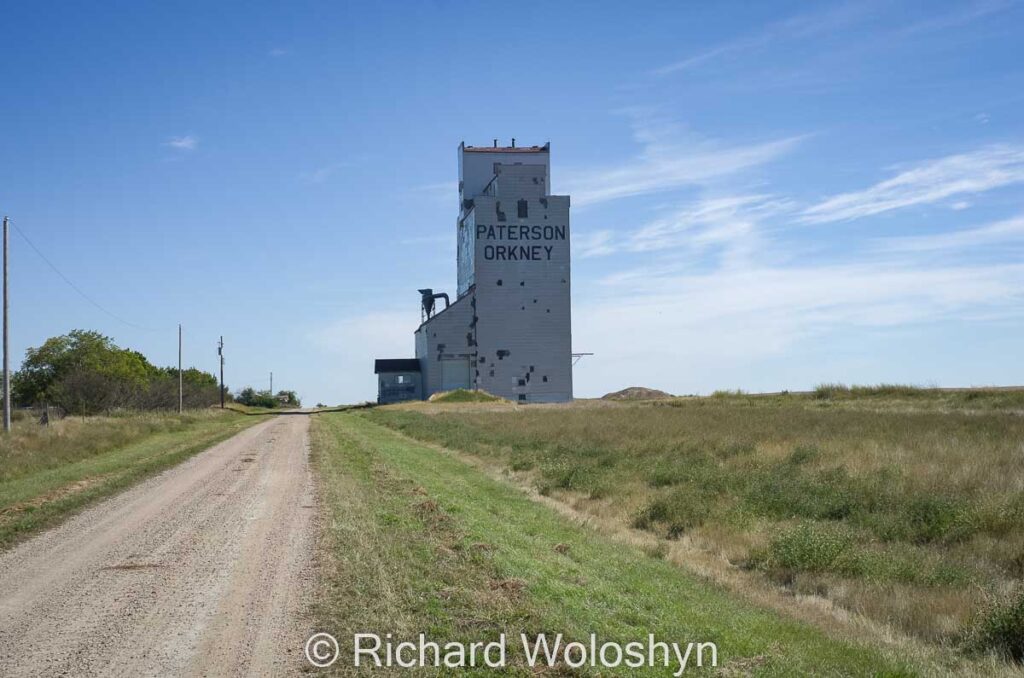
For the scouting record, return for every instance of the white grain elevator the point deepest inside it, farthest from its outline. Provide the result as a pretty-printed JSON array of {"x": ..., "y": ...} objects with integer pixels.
[{"x": 509, "y": 329}]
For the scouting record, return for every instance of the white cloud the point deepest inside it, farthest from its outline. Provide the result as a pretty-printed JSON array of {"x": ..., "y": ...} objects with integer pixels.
[
  {"x": 802, "y": 27},
  {"x": 958, "y": 17},
  {"x": 593, "y": 244},
  {"x": 799, "y": 27},
  {"x": 709, "y": 221},
  {"x": 728, "y": 226},
  {"x": 667, "y": 163},
  {"x": 721, "y": 295},
  {"x": 998, "y": 233},
  {"x": 723, "y": 322},
  {"x": 277, "y": 52},
  {"x": 185, "y": 143},
  {"x": 352, "y": 342},
  {"x": 929, "y": 182}
]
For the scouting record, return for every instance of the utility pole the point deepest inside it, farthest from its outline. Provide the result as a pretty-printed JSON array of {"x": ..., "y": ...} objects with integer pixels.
[
  {"x": 180, "y": 396},
  {"x": 271, "y": 383},
  {"x": 220, "y": 352},
  {"x": 7, "y": 355}
]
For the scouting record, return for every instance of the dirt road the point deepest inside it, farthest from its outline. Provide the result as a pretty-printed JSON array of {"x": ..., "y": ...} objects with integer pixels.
[{"x": 202, "y": 570}]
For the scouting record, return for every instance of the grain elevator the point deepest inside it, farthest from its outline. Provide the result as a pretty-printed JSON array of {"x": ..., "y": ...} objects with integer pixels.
[{"x": 509, "y": 329}]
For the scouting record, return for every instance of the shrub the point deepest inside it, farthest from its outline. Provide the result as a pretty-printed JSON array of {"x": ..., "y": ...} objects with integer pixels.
[
  {"x": 1000, "y": 628},
  {"x": 783, "y": 492},
  {"x": 808, "y": 547},
  {"x": 681, "y": 510},
  {"x": 830, "y": 391},
  {"x": 250, "y": 397},
  {"x": 932, "y": 519}
]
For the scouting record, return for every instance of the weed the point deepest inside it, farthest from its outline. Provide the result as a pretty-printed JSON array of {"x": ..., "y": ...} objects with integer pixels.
[
  {"x": 1000, "y": 628},
  {"x": 895, "y": 485},
  {"x": 808, "y": 547}
]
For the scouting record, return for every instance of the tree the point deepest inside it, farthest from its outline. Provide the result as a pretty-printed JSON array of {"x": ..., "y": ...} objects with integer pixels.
[
  {"x": 85, "y": 372},
  {"x": 253, "y": 398},
  {"x": 66, "y": 370}
]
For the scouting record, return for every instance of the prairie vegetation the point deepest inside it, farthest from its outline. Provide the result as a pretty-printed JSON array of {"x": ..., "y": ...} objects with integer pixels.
[
  {"x": 47, "y": 472},
  {"x": 417, "y": 541},
  {"x": 250, "y": 397},
  {"x": 900, "y": 504}
]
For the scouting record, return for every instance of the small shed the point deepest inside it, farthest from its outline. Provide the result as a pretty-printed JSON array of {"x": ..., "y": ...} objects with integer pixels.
[{"x": 398, "y": 379}]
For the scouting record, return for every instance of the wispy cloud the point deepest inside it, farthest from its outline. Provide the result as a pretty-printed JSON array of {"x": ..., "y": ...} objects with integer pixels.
[
  {"x": 709, "y": 221},
  {"x": 958, "y": 17},
  {"x": 666, "y": 162},
  {"x": 824, "y": 22},
  {"x": 930, "y": 182},
  {"x": 322, "y": 174},
  {"x": 277, "y": 52},
  {"x": 797, "y": 27},
  {"x": 722, "y": 284},
  {"x": 594, "y": 243},
  {"x": 998, "y": 233},
  {"x": 704, "y": 325},
  {"x": 185, "y": 143},
  {"x": 729, "y": 224}
]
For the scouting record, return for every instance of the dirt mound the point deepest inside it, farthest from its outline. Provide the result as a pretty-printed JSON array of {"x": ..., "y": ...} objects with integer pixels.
[
  {"x": 637, "y": 393},
  {"x": 461, "y": 395}
]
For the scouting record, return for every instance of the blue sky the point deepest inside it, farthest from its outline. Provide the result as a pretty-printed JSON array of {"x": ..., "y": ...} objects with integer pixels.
[{"x": 765, "y": 195}]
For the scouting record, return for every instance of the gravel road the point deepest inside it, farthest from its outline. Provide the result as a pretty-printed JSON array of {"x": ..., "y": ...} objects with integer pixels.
[{"x": 203, "y": 570}]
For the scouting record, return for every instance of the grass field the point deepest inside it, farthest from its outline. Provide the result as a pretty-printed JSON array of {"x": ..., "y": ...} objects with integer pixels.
[
  {"x": 902, "y": 506},
  {"x": 46, "y": 473},
  {"x": 418, "y": 540}
]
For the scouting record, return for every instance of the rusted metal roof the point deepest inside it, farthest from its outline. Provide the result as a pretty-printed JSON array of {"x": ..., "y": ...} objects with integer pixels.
[{"x": 506, "y": 149}]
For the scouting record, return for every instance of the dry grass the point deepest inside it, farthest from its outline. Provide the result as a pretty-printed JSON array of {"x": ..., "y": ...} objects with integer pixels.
[
  {"x": 416, "y": 541},
  {"x": 46, "y": 473},
  {"x": 905, "y": 506},
  {"x": 31, "y": 448}
]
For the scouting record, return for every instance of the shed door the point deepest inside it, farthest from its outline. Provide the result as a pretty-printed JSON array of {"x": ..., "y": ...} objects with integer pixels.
[{"x": 454, "y": 374}]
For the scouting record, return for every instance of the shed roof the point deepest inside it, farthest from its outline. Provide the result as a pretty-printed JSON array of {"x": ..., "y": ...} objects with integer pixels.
[{"x": 396, "y": 365}]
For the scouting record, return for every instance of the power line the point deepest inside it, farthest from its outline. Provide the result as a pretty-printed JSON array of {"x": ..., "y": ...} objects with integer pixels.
[{"x": 75, "y": 287}]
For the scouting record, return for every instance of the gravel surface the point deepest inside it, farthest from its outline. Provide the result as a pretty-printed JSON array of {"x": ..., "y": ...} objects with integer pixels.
[{"x": 205, "y": 569}]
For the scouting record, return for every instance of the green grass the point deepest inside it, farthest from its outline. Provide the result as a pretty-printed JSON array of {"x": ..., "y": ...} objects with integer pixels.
[
  {"x": 417, "y": 541},
  {"x": 898, "y": 503},
  {"x": 249, "y": 409},
  {"x": 47, "y": 473}
]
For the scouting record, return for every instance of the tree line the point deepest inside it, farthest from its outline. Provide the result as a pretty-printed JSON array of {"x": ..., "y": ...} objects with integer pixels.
[{"x": 84, "y": 372}]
